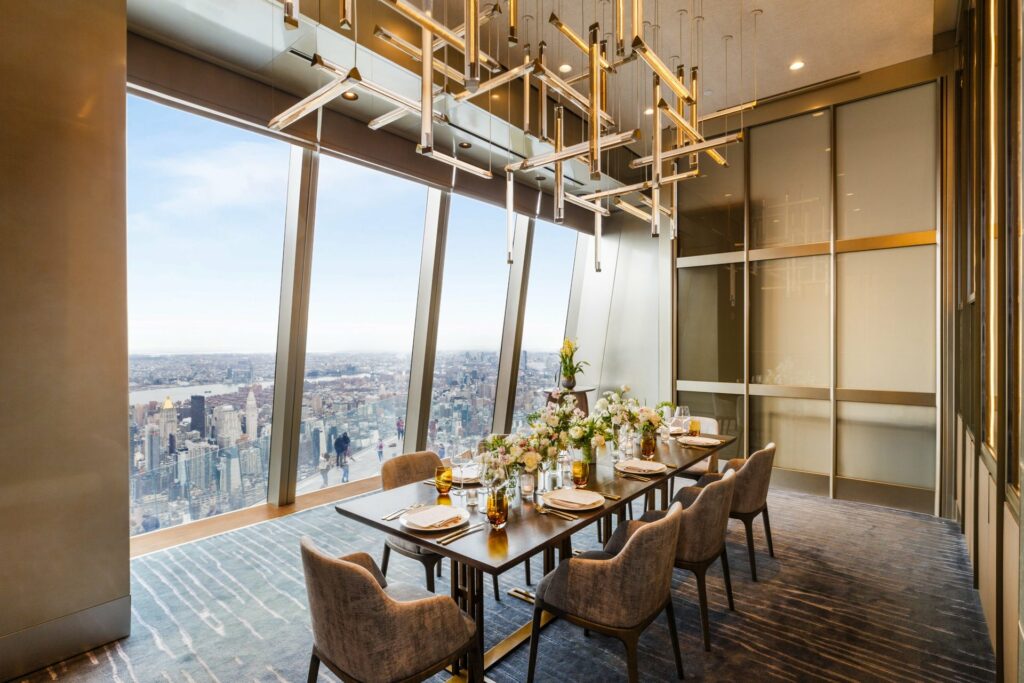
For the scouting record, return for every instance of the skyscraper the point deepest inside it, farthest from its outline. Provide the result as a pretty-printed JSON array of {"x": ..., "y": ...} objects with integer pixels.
[
  {"x": 228, "y": 424},
  {"x": 152, "y": 446},
  {"x": 252, "y": 413},
  {"x": 198, "y": 413},
  {"x": 167, "y": 420}
]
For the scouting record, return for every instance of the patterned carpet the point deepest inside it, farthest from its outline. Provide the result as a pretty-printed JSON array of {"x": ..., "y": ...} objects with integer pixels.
[{"x": 855, "y": 593}]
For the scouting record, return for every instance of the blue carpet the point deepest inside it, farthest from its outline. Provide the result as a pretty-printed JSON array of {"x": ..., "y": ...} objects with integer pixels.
[{"x": 855, "y": 593}]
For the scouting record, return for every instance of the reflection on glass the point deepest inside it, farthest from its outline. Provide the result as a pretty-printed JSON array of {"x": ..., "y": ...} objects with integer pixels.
[
  {"x": 725, "y": 409},
  {"x": 469, "y": 329},
  {"x": 790, "y": 167},
  {"x": 800, "y": 428},
  {"x": 206, "y": 206},
  {"x": 885, "y": 319},
  {"x": 547, "y": 301},
  {"x": 362, "y": 304},
  {"x": 886, "y": 163},
  {"x": 886, "y": 443},
  {"x": 789, "y": 321},
  {"x": 711, "y": 207},
  {"x": 710, "y": 323}
]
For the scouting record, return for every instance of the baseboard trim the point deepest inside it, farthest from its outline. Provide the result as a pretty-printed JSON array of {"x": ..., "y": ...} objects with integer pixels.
[
  {"x": 39, "y": 646},
  {"x": 803, "y": 482}
]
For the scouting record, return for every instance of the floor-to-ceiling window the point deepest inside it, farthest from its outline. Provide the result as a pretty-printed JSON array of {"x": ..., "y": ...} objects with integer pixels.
[
  {"x": 547, "y": 301},
  {"x": 362, "y": 302},
  {"x": 206, "y": 212},
  {"x": 473, "y": 294}
]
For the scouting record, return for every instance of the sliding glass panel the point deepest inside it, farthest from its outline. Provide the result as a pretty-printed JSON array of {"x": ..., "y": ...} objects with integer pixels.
[
  {"x": 800, "y": 428},
  {"x": 547, "y": 302},
  {"x": 886, "y": 443},
  {"x": 362, "y": 304},
  {"x": 726, "y": 409},
  {"x": 790, "y": 167},
  {"x": 711, "y": 206},
  {"x": 885, "y": 319},
  {"x": 887, "y": 163},
  {"x": 469, "y": 332},
  {"x": 710, "y": 314},
  {"x": 789, "y": 321},
  {"x": 206, "y": 212}
]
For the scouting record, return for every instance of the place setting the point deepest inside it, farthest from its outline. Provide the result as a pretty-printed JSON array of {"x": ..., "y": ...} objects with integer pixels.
[{"x": 640, "y": 470}]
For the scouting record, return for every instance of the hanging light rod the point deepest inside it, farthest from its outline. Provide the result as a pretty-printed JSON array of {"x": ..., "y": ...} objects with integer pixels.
[
  {"x": 746, "y": 106},
  {"x": 485, "y": 15},
  {"x": 342, "y": 83},
  {"x": 452, "y": 161},
  {"x": 575, "y": 39},
  {"x": 607, "y": 142},
  {"x": 689, "y": 149},
  {"x": 688, "y": 128},
  {"x": 632, "y": 210},
  {"x": 646, "y": 201},
  {"x": 498, "y": 81},
  {"x": 593, "y": 207},
  {"x": 654, "y": 61},
  {"x": 616, "y": 191},
  {"x": 403, "y": 107},
  {"x": 614, "y": 66},
  {"x": 555, "y": 83},
  {"x": 445, "y": 34},
  {"x": 417, "y": 54},
  {"x": 685, "y": 175}
]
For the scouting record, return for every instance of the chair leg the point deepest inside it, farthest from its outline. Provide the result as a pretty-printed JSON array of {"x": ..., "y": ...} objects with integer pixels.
[
  {"x": 767, "y": 530},
  {"x": 384, "y": 560},
  {"x": 526, "y": 566},
  {"x": 430, "y": 575},
  {"x": 670, "y": 614},
  {"x": 538, "y": 612},
  {"x": 749, "y": 524},
  {"x": 728, "y": 581},
  {"x": 497, "y": 590},
  {"x": 631, "y": 664},
  {"x": 702, "y": 593},
  {"x": 314, "y": 668}
]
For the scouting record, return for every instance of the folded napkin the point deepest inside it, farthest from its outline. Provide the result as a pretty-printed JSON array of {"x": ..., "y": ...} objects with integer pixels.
[
  {"x": 467, "y": 473},
  {"x": 641, "y": 466},
  {"x": 435, "y": 516},
  {"x": 698, "y": 441},
  {"x": 574, "y": 497}
]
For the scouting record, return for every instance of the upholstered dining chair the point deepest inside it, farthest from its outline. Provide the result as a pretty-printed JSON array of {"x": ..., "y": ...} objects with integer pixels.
[
  {"x": 708, "y": 425},
  {"x": 365, "y": 629},
  {"x": 702, "y": 529},
  {"x": 617, "y": 591},
  {"x": 400, "y": 471},
  {"x": 750, "y": 497}
]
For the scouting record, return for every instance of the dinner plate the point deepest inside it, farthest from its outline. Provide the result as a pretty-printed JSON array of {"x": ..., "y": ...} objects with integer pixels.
[
  {"x": 573, "y": 500},
  {"x": 701, "y": 441},
  {"x": 408, "y": 520},
  {"x": 642, "y": 467}
]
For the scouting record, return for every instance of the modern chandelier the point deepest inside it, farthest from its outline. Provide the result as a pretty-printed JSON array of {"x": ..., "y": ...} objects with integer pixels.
[{"x": 674, "y": 97}]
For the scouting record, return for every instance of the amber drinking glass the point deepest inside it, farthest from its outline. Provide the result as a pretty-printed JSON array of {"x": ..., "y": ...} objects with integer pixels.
[
  {"x": 580, "y": 473},
  {"x": 443, "y": 479},
  {"x": 497, "y": 508},
  {"x": 694, "y": 427}
]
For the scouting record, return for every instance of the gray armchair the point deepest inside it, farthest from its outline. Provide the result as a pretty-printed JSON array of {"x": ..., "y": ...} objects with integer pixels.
[
  {"x": 618, "y": 591},
  {"x": 702, "y": 528},
  {"x": 365, "y": 629},
  {"x": 750, "y": 497}
]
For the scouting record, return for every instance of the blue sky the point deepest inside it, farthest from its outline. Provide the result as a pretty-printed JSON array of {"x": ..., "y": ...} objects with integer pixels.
[{"x": 206, "y": 210}]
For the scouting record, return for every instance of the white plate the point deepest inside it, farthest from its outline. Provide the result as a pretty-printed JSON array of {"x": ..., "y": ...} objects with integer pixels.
[
  {"x": 699, "y": 441},
  {"x": 454, "y": 524},
  {"x": 648, "y": 468},
  {"x": 588, "y": 500}
]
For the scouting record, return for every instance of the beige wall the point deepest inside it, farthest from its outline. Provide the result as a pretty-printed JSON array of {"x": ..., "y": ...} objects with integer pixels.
[{"x": 64, "y": 578}]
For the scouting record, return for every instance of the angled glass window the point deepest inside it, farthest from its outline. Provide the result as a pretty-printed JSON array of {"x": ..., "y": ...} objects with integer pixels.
[
  {"x": 473, "y": 295},
  {"x": 362, "y": 308},
  {"x": 206, "y": 216},
  {"x": 547, "y": 302}
]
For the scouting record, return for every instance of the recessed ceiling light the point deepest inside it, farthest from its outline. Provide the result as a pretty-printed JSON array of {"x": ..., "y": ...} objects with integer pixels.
[
  {"x": 796, "y": 65},
  {"x": 849, "y": 194},
  {"x": 818, "y": 113},
  {"x": 709, "y": 92},
  {"x": 649, "y": 111},
  {"x": 495, "y": 96},
  {"x": 728, "y": 194},
  {"x": 539, "y": 178},
  {"x": 350, "y": 95},
  {"x": 464, "y": 145},
  {"x": 565, "y": 68}
]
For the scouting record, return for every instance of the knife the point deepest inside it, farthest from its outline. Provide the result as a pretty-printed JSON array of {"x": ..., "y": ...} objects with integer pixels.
[{"x": 467, "y": 532}]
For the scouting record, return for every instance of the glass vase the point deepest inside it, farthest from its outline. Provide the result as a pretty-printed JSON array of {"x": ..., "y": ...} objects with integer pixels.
[
  {"x": 648, "y": 445},
  {"x": 497, "y": 508}
]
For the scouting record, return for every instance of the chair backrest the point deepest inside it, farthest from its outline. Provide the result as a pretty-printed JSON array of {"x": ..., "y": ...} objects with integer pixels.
[
  {"x": 408, "y": 468},
  {"x": 752, "y": 481},
  {"x": 345, "y": 607},
  {"x": 702, "y": 526},
  {"x": 708, "y": 425},
  {"x": 644, "y": 571}
]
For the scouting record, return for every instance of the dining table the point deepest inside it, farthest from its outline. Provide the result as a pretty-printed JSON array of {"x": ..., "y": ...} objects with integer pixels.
[{"x": 530, "y": 530}]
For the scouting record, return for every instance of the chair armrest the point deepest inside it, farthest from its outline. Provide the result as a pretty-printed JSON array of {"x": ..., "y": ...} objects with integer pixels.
[
  {"x": 686, "y": 495},
  {"x": 367, "y": 563},
  {"x": 734, "y": 464},
  {"x": 623, "y": 532},
  {"x": 707, "y": 479},
  {"x": 429, "y": 628}
]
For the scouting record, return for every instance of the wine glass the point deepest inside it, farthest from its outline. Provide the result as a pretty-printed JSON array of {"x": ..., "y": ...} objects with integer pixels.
[
  {"x": 459, "y": 461},
  {"x": 493, "y": 474},
  {"x": 684, "y": 418},
  {"x": 545, "y": 468}
]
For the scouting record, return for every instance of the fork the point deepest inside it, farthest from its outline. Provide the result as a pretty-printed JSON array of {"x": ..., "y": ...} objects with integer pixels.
[
  {"x": 546, "y": 510},
  {"x": 399, "y": 512}
]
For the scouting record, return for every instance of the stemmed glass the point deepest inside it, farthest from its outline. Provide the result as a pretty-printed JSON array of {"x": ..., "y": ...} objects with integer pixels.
[
  {"x": 459, "y": 461},
  {"x": 545, "y": 468}
]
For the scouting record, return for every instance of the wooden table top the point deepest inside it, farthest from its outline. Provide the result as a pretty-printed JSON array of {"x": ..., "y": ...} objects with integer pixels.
[{"x": 527, "y": 531}]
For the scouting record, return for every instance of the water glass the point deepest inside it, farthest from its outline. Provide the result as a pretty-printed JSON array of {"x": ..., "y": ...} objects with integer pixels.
[
  {"x": 580, "y": 473},
  {"x": 565, "y": 470},
  {"x": 460, "y": 460},
  {"x": 443, "y": 479},
  {"x": 497, "y": 508},
  {"x": 526, "y": 484}
]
